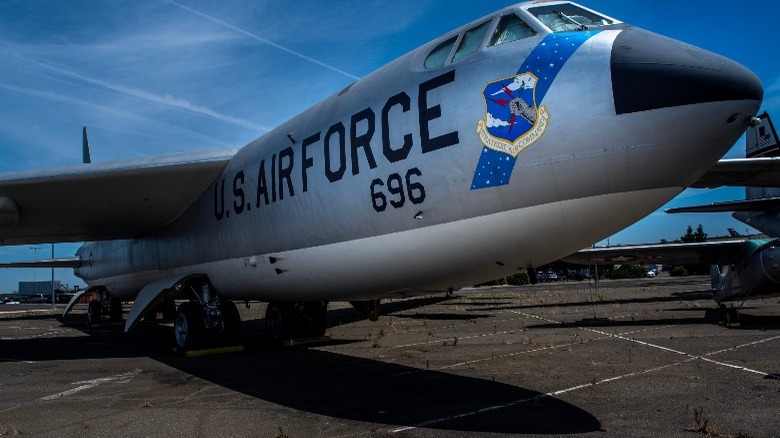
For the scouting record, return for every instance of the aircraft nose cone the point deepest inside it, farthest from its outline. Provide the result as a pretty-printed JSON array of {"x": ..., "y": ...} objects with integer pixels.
[{"x": 650, "y": 71}]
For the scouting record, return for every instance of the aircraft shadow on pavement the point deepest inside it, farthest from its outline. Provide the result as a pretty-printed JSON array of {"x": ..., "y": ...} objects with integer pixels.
[
  {"x": 444, "y": 316},
  {"x": 349, "y": 315},
  {"x": 381, "y": 393},
  {"x": 332, "y": 384},
  {"x": 747, "y": 322},
  {"x": 595, "y": 301}
]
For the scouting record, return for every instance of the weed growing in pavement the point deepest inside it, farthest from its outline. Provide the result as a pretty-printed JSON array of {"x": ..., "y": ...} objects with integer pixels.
[{"x": 702, "y": 423}]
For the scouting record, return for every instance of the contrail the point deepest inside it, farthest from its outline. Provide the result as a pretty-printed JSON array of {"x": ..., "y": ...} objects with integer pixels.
[
  {"x": 104, "y": 109},
  {"x": 261, "y": 39},
  {"x": 166, "y": 100}
]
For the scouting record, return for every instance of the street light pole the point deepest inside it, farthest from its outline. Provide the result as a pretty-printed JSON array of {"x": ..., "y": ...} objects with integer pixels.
[
  {"x": 35, "y": 258},
  {"x": 53, "y": 294}
]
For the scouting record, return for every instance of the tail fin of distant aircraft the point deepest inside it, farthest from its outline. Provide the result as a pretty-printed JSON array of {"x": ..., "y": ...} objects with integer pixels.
[
  {"x": 759, "y": 173},
  {"x": 734, "y": 233},
  {"x": 85, "y": 146},
  {"x": 761, "y": 142},
  {"x": 761, "y": 139}
]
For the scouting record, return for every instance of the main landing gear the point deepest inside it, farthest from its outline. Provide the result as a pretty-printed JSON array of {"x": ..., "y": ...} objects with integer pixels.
[
  {"x": 208, "y": 316},
  {"x": 291, "y": 320},
  {"x": 727, "y": 315},
  {"x": 103, "y": 308}
]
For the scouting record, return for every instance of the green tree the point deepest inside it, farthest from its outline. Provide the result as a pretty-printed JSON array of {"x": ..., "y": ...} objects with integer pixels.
[{"x": 690, "y": 236}]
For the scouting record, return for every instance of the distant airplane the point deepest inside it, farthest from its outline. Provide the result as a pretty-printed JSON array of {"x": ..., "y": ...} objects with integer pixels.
[
  {"x": 502, "y": 145},
  {"x": 752, "y": 265}
]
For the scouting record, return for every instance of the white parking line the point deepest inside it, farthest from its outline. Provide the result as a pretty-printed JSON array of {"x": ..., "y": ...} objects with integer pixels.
[
  {"x": 87, "y": 384},
  {"x": 440, "y": 340},
  {"x": 671, "y": 350},
  {"x": 690, "y": 358},
  {"x": 536, "y": 350}
]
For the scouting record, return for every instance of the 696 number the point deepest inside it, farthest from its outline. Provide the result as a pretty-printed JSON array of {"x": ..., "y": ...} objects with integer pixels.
[{"x": 398, "y": 190}]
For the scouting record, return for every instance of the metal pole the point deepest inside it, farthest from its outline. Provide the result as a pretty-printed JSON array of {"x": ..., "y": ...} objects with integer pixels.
[
  {"x": 53, "y": 295},
  {"x": 35, "y": 270}
]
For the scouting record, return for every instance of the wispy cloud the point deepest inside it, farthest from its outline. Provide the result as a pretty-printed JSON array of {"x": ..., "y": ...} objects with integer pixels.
[
  {"x": 166, "y": 100},
  {"x": 113, "y": 114},
  {"x": 775, "y": 86},
  {"x": 261, "y": 39}
]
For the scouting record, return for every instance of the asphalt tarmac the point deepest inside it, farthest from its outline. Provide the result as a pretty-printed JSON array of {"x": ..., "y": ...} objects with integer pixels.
[{"x": 629, "y": 358}]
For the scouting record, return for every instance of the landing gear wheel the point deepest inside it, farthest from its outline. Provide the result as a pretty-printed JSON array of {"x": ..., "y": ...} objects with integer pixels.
[
  {"x": 278, "y": 320},
  {"x": 318, "y": 315},
  {"x": 303, "y": 322},
  {"x": 187, "y": 326},
  {"x": 732, "y": 316},
  {"x": 231, "y": 322},
  {"x": 93, "y": 312}
]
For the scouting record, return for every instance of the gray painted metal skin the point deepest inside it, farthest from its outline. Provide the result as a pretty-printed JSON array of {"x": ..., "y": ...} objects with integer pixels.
[{"x": 319, "y": 235}]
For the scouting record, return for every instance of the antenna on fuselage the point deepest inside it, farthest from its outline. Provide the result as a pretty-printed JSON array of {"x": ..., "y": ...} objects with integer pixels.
[{"x": 85, "y": 145}]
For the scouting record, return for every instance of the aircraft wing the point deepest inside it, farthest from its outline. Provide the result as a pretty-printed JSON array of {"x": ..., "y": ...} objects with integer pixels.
[
  {"x": 742, "y": 172},
  {"x": 761, "y": 204},
  {"x": 96, "y": 201},
  {"x": 65, "y": 262},
  {"x": 715, "y": 252}
]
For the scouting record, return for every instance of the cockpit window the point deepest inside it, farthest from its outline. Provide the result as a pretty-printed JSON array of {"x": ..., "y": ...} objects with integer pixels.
[
  {"x": 510, "y": 28},
  {"x": 439, "y": 55},
  {"x": 567, "y": 17},
  {"x": 471, "y": 41}
]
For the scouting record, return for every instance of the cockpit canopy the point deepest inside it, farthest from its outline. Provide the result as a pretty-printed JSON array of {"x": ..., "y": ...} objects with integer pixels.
[
  {"x": 567, "y": 17},
  {"x": 514, "y": 26}
]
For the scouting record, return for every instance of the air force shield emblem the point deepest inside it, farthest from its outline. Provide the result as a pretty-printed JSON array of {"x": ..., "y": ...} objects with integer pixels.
[
  {"x": 515, "y": 118},
  {"x": 512, "y": 122}
]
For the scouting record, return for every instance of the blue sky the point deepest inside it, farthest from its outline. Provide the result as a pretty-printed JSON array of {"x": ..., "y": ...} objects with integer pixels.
[{"x": 152, "y": 76}]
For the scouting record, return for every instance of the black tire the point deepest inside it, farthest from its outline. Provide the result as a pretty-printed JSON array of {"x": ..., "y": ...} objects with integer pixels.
[
  {"x": 231, "y": 321},
  {"x": 732, "y": 316},
  {"x": 279, "y": 321},
  {"x": 318, "y": 317},
  {"x": 94, "y": 309},
  {"x": 302, "y": 326},
  {"x": 188, "y": 326}
]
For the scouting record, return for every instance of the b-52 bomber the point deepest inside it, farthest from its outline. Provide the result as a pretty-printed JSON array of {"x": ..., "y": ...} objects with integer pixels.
[{"x": 452, "y": 165}]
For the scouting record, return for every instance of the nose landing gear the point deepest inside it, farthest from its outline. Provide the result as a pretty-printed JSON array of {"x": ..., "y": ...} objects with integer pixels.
[{"x": 722, "y": 314}]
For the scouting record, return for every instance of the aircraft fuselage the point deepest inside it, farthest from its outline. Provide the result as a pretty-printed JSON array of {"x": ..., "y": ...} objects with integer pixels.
[{"x": 416, "y": 180}]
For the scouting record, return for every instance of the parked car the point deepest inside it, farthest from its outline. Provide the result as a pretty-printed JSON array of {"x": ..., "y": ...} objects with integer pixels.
[
  {"x": 552, "y": 276},
  {"x": 40, "y": 298}
]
